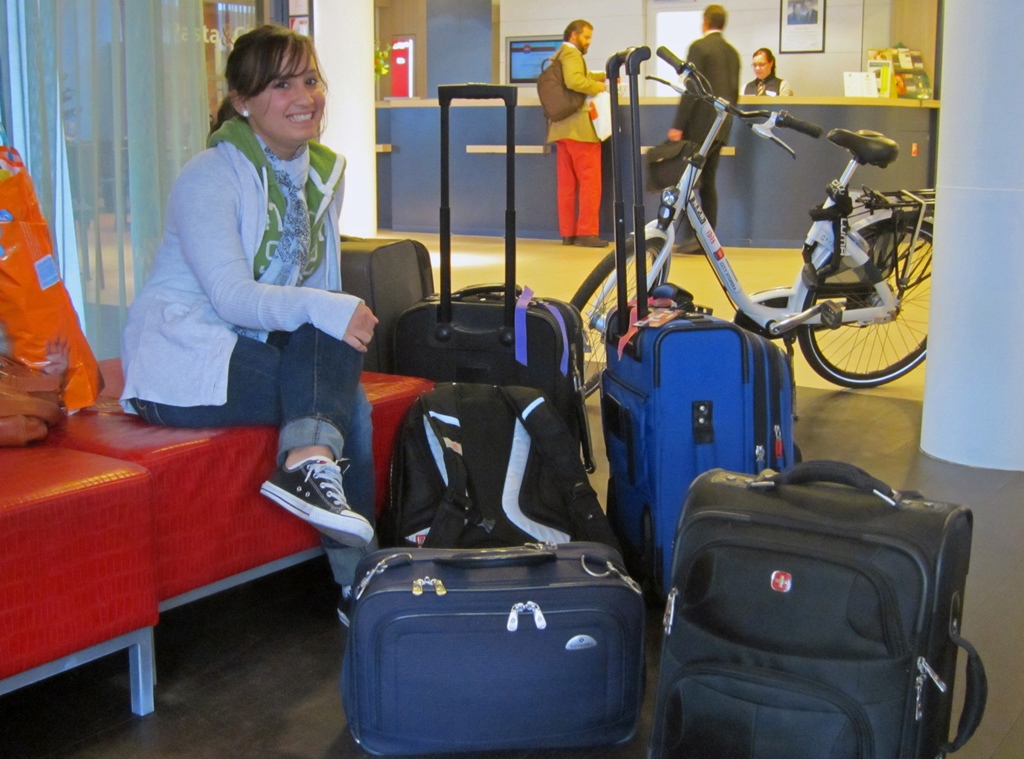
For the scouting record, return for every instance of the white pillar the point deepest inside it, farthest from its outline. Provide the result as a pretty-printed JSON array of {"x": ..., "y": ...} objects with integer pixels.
[
  {"x": 974, "y": 388},
  {"x": 343, "y": 30}
]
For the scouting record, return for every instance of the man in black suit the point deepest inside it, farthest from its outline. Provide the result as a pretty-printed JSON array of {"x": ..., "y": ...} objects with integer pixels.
[{"x": 719, "y": 62}]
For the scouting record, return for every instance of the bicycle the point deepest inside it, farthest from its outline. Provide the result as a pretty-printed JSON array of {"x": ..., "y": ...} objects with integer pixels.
[{"x": 859, "y": 310}]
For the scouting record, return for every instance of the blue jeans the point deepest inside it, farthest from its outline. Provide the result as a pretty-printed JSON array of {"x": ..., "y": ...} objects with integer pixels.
[{"x": 307, "y": 384}]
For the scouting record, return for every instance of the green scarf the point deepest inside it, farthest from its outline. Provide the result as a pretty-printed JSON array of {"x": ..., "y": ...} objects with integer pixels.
[{"x": 321, "y": 163}]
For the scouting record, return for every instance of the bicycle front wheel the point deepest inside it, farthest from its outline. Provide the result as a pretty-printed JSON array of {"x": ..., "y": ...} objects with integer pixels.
[
  {"x": 596, "y": 299},
  {"x": 868, "y": 354}
]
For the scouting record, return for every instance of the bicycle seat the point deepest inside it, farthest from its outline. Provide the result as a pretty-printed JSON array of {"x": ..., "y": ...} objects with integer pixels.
[{"x": 871, "y": 148}]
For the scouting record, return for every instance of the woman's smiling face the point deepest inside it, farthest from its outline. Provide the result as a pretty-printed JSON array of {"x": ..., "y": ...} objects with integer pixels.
[{"x": 288, "y": 112}]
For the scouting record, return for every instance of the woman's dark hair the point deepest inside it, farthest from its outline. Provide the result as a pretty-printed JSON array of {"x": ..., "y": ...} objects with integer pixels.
[
  {"x": 767, "y": 54},
  {"x": 259, "y": 57}
]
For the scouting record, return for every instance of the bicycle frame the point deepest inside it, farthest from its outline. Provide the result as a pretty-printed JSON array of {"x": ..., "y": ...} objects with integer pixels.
[
  {"x": 866, "y": 259},
  {"x": 778, "y": 320}
]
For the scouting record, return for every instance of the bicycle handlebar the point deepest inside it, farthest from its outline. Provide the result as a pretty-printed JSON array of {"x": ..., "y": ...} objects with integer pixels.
[
  {"x": 671, "y": 59},
  {"x": 787, "y": 121},
  {"x": 701, "y": 89}
]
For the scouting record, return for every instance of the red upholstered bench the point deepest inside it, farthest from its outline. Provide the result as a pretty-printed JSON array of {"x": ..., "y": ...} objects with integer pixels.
[
  {"x": 111, "y": 520},
  {"x": 76, "y": 566},
  {"x": 213, "y": 531}
]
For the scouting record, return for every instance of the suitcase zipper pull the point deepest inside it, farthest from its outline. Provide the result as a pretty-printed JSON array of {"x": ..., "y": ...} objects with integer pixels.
[
  {"x": 378, "y": 568},
  {"x": 670, "y": 611},
  {"x": 926, "y": 672},
  {"x": 926, "y": 669},
  {"x": 522, "y": 608},
  {"x": 779, "y": 448},
  {"x": 759, "y": 458},
  {"x": 428, "y": 582},
  {"x": 611, "y": 569}
]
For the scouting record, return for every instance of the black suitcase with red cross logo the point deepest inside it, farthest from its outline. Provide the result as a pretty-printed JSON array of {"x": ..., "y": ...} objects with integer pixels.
[{"x": 814, "y": 614}]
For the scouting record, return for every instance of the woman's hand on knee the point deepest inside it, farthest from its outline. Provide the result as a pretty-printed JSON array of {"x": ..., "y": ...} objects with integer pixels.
[{"x": 360, "y": 328}]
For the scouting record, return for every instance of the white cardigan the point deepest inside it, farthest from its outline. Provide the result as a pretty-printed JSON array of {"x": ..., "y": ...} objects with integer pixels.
[{"x": 180, "y": 333}]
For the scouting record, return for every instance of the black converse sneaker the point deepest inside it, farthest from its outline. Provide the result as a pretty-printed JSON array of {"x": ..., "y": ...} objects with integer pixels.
[{"x": 312, "y": 491}]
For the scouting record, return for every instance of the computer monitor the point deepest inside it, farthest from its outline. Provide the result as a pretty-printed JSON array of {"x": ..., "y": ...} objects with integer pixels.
[{"x": 526, "y": 56}]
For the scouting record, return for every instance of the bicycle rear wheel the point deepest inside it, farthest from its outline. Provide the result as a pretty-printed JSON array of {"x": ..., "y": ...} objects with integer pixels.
[
  {"x": 596, "y": 298},
  {"x": 871, "y": 354}
]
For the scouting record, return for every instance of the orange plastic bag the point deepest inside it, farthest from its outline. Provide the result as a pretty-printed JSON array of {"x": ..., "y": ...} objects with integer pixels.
[{"x": 38, "y": 324}]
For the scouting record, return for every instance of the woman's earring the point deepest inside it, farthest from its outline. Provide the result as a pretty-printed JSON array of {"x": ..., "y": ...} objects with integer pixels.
[{"x": 245, "y": 113}]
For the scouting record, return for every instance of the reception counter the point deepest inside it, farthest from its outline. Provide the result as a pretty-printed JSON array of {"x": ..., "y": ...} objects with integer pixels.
[{"x": 764, "y": 194}]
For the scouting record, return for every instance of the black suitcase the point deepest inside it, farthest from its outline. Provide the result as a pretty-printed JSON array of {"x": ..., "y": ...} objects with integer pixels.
[
  {"x": 390, "y": 275},
  {"x": 538, "y": 646},
  {"x": 494, "y": 334},
  {"x": 813, "y": 614}
]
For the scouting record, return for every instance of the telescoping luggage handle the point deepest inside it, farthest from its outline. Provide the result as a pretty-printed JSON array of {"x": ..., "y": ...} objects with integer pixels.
[
  {"x": 446, "y": 93},
  {"x": 631, "y": 58},
  {"x": 842, "y": 473}
]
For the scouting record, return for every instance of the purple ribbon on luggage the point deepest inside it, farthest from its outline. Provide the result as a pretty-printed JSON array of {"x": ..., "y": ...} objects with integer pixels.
[{"x": 520, "y": 328}]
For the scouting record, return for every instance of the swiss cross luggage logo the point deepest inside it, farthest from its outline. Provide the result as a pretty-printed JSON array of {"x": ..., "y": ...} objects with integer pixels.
[{"x": 782, "y": 582}]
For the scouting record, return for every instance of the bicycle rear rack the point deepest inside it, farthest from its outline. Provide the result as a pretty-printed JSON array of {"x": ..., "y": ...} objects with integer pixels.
[{"x": 920, "y": 202}]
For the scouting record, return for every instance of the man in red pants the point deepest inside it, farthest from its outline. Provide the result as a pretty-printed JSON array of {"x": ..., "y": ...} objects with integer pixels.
[{"x": 577, "y": 147}]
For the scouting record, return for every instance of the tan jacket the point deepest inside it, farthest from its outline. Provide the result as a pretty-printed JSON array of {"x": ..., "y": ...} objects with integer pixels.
[{"x": 574, "y": 70}]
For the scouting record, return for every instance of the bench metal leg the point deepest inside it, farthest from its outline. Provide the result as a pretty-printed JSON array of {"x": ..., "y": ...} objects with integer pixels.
[
  {"x": 142, "y": 671},
  {"x": 140, "y": 660}
]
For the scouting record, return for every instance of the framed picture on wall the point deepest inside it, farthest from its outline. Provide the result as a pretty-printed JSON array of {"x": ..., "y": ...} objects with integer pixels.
[
  {"x": 802, "y": 26},
  {"x": 300, "y": 17}
]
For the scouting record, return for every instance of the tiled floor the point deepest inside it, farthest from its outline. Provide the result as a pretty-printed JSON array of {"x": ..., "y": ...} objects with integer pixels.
[{"x": 253, "y": 671}]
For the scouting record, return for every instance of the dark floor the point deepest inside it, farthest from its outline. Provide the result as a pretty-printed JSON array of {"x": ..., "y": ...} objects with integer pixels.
[{"x": 253, "y": 672}]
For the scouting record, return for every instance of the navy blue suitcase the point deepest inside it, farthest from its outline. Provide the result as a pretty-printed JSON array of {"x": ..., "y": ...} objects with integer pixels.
[
  {"x": 476, "y": 650},
  {"x": 691, "y": 395}
]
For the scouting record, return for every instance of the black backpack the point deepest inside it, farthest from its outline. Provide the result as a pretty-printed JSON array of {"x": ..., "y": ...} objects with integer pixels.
[
  {"x": 481, "y": 466},
  {"x": 557, "y": 100}
]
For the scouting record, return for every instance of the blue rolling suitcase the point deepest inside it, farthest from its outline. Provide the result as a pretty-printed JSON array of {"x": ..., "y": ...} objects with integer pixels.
[
  {"x": 689, "y": 392},
  {"x": 691, "y": 395},
  {"x": 475, "y": 650}
]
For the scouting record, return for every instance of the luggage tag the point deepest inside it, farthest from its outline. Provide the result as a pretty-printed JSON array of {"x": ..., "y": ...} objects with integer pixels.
[
  {"x": 666, "y": 303},
  {"x": 522, "y": 304},
  {"x": 660, "y": 313}
]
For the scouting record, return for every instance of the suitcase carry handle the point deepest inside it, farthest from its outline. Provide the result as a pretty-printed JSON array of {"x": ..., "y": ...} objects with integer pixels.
[
  {"x": 498, "y": 557},
  {"x": 975, "y": 694},
  {"x": 831, "y": 472},
  {"x": 485, "y": 289}
]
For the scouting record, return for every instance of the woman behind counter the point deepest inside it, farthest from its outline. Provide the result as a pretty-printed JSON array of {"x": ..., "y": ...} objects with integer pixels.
[
  {"x": 242, "y": 320},
  {"x": 767, "y": 81}
]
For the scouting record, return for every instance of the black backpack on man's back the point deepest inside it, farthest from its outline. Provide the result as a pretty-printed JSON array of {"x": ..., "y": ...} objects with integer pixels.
[
  {"x": 486, "y": 466},
  {"x": 557, "y": 100}
]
